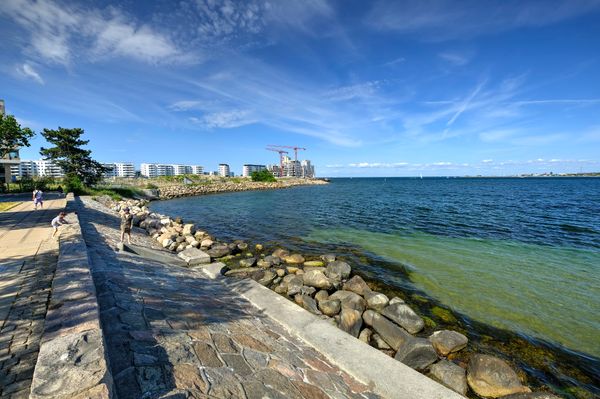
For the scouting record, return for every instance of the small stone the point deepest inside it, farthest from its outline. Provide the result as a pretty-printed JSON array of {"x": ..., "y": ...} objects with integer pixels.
[
  {"x": 378, "y": 342},
  {"x": 417, "y": 353},
  {"x": 280, "y": 272},
  {"x": 447, "y": 341},
  {"x": 248, "y": 262},
  {"x": 405, "y": 317},
  {"x": 294, "y": 259},
  {"x": 489, "y": 376},
  {"x": 207, "y": 243},
  {"x": 365, "y": 335},
  {"x": 451, "y": 375},
  {"x": 280, "y": 253},
  {"x": 258, "y": 247},
  {"x": 395, "y": 300},
  {"x": 267, "y": 278},
  {"x": 307, "y": 303},
  {"x": 356, "y": 284}
]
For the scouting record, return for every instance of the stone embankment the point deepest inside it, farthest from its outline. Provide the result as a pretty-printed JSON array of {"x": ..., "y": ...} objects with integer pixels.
[
  {"x": 326, "y": 287},
  {"x": 183, "y": 190}
]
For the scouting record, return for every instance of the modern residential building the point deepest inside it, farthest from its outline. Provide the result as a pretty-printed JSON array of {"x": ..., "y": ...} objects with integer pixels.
[
  {"x": 292, "y": 168},
  {"x": 308, "y": 169},
  {"x": 37, "y": 168},
  {"x": 119, "y": 169},
  {"x": 157, "y": 169},
  {"x": 248, "y": 169},
  {"x": 224, "y": 170}
]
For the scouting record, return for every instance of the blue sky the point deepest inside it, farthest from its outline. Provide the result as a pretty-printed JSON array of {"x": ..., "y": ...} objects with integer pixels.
[{"x": 380, "y": 88}]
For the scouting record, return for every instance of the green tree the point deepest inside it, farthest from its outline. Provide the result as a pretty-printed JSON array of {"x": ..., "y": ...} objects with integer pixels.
[
  {"x": 68, "y": 154},
  {"x": 263, "y": 175},
  {"x": 12, "y": 135}
]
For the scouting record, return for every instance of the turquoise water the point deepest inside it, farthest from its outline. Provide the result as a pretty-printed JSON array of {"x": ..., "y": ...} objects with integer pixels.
[{"x": 518, "y": 254}]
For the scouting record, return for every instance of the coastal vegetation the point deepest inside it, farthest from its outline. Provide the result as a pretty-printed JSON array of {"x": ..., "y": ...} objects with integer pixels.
[{"x": 262, "y": 175}]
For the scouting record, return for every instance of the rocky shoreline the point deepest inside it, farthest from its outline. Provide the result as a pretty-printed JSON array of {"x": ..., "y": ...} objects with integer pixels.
[
  {"x": 328, "y": 288},
  {"x": 170, "y": 191}
]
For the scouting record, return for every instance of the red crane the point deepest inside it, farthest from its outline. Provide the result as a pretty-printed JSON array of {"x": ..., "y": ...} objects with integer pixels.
[
  {"x": 281, "y": 152},
  {"x": 287, "y": 146}
]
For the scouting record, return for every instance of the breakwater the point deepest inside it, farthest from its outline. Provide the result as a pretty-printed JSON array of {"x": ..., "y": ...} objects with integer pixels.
[
  {"x": 169, "y": 190},
  {"x": 330, "y": 288}
]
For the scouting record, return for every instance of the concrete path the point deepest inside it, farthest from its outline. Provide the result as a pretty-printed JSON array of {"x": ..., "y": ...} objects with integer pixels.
[
  {"x": 173, "y": 333},
  {"x": 28, "y": 258}
]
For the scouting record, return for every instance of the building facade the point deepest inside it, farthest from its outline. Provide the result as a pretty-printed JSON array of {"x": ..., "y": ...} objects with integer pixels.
[
  {"x": 158, "y": 169},
  {"x": 248, "y": 169},
  {"x": 224, "y": 170},
  {"x": 37, "y": 168}
]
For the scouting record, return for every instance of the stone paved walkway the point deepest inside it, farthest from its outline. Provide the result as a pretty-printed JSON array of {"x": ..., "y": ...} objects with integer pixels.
[
  {"x": 172, "y": 333},
  {"x": 27, "y": 263}
]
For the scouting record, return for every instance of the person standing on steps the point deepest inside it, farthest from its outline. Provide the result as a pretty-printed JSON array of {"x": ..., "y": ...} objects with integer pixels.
[
  {"x": 57, "y": 221},
  {"x": 38, "y": 199},
  {"x": 126, "y": 223}
]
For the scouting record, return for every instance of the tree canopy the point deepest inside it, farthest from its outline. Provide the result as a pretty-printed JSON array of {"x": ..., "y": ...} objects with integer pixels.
[
  {"x": 68, "y": 154},
  {"x": 263, "y": 175},
  {"x": 12, "y": 135}
]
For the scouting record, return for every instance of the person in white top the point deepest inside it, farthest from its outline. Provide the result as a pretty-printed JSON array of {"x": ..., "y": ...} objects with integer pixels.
[
  {"x": 57, "y": 221},
  {"x": 38, "y": 198}
]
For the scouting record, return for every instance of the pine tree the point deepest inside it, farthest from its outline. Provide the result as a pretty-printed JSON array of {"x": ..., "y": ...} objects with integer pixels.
[{"x": 68, "y": 154}]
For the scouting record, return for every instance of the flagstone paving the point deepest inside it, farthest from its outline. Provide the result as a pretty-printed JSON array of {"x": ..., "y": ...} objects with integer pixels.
[
  {"x": 28, "y": 257},
  {"x": 173, "y": 333}
]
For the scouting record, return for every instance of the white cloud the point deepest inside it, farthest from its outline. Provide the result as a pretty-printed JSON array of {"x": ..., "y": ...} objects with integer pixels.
[
  {"x": 454, "y": 58},
  {"x": 440, "y": 20},
  {"x": 28, "y": 71},
  {"x": 226, "y": 119},
  {"x": 360, "y": 90},
  {"x": 62, "y": 32}
]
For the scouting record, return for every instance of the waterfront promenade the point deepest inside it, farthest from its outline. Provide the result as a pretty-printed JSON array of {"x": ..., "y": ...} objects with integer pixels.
[
  {"x": 172, "y": 332},
  {"x": 28, "y": 257}
]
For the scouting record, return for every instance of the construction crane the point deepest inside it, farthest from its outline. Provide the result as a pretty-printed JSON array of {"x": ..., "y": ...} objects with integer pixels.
[
  {"x": 281, "y": 152},
  {"x": 287, "y": 146}
]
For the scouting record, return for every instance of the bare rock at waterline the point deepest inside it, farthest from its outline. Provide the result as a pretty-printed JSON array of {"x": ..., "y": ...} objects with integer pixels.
[
  {"x": 376, "y": 300},
  {"x": 532, "y": 395},
  {"x": 404, "y": 316},
  {"x": 447, "y": 341},
  {"x": 267, "y": 278},
  {"x": 451, "y": 375},
  {"x": 491, "y": 377},
  {"x": 294, "y": 259},
  {"x": 316, "y": 278},
  {"x": 328, "y": 258},
  {"x": 356, "y": 284},
  {"x": 338, "y": 271},
  {"x": 417, "y": 353},
  {"x": 218, "y": 251}
]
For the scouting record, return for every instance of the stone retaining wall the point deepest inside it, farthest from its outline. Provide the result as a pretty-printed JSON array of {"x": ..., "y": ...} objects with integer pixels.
[{"x": 72, "y": 361}]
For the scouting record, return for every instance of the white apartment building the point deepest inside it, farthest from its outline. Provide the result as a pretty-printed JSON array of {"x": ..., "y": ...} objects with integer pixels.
[
  {"x": 157, "y": 169},
  {"x": 291, "y": 168},
  {"x": 224, "y": 170},
  {"x": 40, "y": 167},
  {"x": 308, "y": 169},
  {"x": 119, "y": 169},
  {"x": 248, "y": 169}
]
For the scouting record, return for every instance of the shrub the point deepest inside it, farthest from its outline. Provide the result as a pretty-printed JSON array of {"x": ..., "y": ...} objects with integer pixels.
[
  {"x": 73, "y": 184},
  {"x": 263, "y": 175},
  {"x": 151, "y": 186}
]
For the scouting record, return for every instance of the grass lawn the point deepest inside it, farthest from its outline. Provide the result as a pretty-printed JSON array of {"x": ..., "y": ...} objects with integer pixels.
[{"x": 5, "y": 206}]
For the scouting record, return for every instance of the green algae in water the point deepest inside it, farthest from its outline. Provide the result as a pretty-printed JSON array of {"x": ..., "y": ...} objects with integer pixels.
[{"x": 552, "y": 293}]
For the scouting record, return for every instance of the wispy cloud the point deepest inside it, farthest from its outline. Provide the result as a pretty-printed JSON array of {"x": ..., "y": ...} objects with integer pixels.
[
  {"x": 225, "y": 119},
  {"x": 454, "y": 58},
  {"x": 440, "y": 20},
  {"x": 27, "y": 71},
  {"x": 60, "y": 33}
]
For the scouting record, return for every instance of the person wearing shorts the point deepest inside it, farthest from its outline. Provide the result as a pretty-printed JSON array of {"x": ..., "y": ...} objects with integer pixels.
[
  {"x": 38, "y": 198},
  {"x": 57, "y": 221},
  {"x": 126, "y": 223}
]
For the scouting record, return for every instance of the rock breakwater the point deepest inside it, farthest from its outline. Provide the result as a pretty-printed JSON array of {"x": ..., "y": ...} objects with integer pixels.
[
  {"x": 212, "y": 187},
  {"x": 327, "y": 287}
]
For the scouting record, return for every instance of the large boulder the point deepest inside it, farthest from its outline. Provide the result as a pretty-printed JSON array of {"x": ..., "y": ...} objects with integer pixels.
[
  {"x": 389, "y": 331},
  {"x": 491, "y": 377},
  {"x": 316, "y": 278},
  {"x": 350, "y": 300},
  {"x": 330, "y": 307},
  {"x": 218, "y": 251},
  {"x": 193, "y": 256},
  {"x": 447, "y": 341},
  {"x": 451, "y": 375},
  {"x": 356, "y": 284},
  {"x": 417, "y": 353},
  {"x": 188, "y": 229},
  {"x": 376, "y": 300},
  {"x": 351, "y": 321},
  {"x": 404, "y": 316},
  {"x": 338, "y": 271}
]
